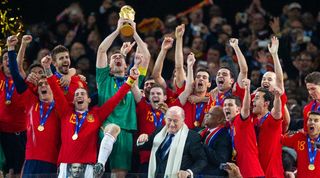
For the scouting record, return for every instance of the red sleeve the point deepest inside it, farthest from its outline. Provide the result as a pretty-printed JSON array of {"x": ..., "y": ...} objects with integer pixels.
[
  {"x": 180, "y": 90},
  {"x": 32, "y": 87},
  {"x": 171, "y": 96},
  {"x": 239, "y": 92},
  {"x": 84, "y": 84},
  {"x": 106, "y": 109},
  {"x": 61, "y": 105},
  {"x": 28, "y": 96},
  {"x": 176, "y": 103},
  {"x": 290, "y": 141},
  {"x": 142, "y": 104}
]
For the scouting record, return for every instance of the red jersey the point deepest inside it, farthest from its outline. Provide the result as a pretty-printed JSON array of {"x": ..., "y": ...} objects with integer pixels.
[
  {"x": 245, "y": 143},
  {"x": 41, "y": 145},
  {"x": 12, "y": 116},
  {"x": 172, "y": 95},
  {"x": 299, "y": 143},
  {"x": 269, "y": 146},
  {"x": 84, "y": 148},
  {"x": 312, "y": 106},
  {"x": 75, "y": 83},
  {"x": 147, "y": 123},
  {"x": 219, "y": 100},
  {"x": 191, "y": 110}
]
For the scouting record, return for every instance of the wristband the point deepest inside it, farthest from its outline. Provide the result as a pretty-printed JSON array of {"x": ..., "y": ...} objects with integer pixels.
[
  {"x": 142, "y": 70},
  {"x": 130, "y": 81}
]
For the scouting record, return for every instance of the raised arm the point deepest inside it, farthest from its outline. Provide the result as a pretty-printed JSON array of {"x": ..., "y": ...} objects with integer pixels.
[
  {"x": 62, "y": 106},
  {"x": 157, "y": 69},
  {"x": 26, "y": 39},
  {"x": 245, "y": 109},
  {"x": 18, "y": 80},
  {"x": 183, "y": 97},
  {"x": 135, "y": 88},
  {"x": 142, "y": 48},
  {"x": 102, "y": 58},
  {"x": 180, "y": 73},
  {"x": 106, "y": 109},
  {"x": 241, "y": 61},
  {"x": 276, "y": 111},
  {"x": 273, "y": 49}
]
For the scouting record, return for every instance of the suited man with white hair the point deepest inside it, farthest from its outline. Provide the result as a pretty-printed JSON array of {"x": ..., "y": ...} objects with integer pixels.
[{"x": 176, "y": 151}]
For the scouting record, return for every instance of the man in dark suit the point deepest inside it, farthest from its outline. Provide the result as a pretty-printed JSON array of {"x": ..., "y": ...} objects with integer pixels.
[
  {"x": 217, "y": 141},
  {"x": 176, "y": 150}
]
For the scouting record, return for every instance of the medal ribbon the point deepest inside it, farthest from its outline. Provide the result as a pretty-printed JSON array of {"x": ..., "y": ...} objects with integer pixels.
[
  {"x": 9, "y": 92},
  {"x": 314, "y": 106},
  {"x": 219, "y": 100},
  {"x": 44, "y": 118},
  {"x": 231, "y": 132},
  {"x": 157, "y": 123},
  {"x": 119, "y": 81},
  {"x": 79, "y": 124},
  {"x": 66, "y": 89},
  {"x": 312, "y": 153},
  {"x": 261, "y": 121},
  {"x": 199, "y": 109}
]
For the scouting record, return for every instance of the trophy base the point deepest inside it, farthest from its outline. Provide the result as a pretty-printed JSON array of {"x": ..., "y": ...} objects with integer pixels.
[{"x": 126, "y": 30}]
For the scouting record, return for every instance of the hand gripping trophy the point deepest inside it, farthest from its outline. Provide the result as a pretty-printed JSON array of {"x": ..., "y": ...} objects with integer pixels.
[{"x": 127, "y": 12}]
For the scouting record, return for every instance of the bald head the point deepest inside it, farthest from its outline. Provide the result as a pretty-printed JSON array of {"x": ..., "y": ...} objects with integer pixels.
[
  {"x": 214, "y": 117},
  {"x": 174, "y": 119},
  {"x": 268, "y": 80}
]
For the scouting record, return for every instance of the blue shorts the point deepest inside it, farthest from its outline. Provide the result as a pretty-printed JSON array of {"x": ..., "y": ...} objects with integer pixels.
[{"x": 34, "y": 167}]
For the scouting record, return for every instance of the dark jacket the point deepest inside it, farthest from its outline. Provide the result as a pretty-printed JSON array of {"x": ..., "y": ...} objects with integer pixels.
[{"x": 193, "y": 158}]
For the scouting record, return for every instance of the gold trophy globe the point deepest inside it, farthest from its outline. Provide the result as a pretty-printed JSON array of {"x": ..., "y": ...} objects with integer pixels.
[{"x": 127, "y": 12}]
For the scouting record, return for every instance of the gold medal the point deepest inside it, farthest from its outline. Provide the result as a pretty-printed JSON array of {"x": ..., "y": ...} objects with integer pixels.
[
  {"x": 8, "y": 102},
  {"x": 196, "y": 123},
  {"x": 40, "y": 128},
  {"x": 311, "y": 167},
  {"x": 234, "y": 152},
  {"x": 74, "y": 136}
]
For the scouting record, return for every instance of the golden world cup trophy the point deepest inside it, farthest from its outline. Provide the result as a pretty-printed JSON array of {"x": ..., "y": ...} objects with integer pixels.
[{"x": 127, "y": 12}]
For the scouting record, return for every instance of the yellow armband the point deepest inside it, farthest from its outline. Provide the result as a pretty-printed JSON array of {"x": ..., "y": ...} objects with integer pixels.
[{"x": 130, "y": 81}]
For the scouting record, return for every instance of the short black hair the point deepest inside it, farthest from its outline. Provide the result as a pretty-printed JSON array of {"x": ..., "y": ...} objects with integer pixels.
[
  {"x": 314, "y": 113},
  {"x": 268, "y": 96},
  {"x": 156, "y": 85},
  {"x": 229, "y": 69},
  {"x": 36, "y": 64},
  {"x": 204, "y": 70},
  {"x": 58, "y": 49},
  {"x": 313, "y": 77},
  {"x": 236, "y": 98}
]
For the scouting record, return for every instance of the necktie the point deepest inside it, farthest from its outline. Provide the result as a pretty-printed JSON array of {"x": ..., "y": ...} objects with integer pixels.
[{"x": 164, "y": 150}]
